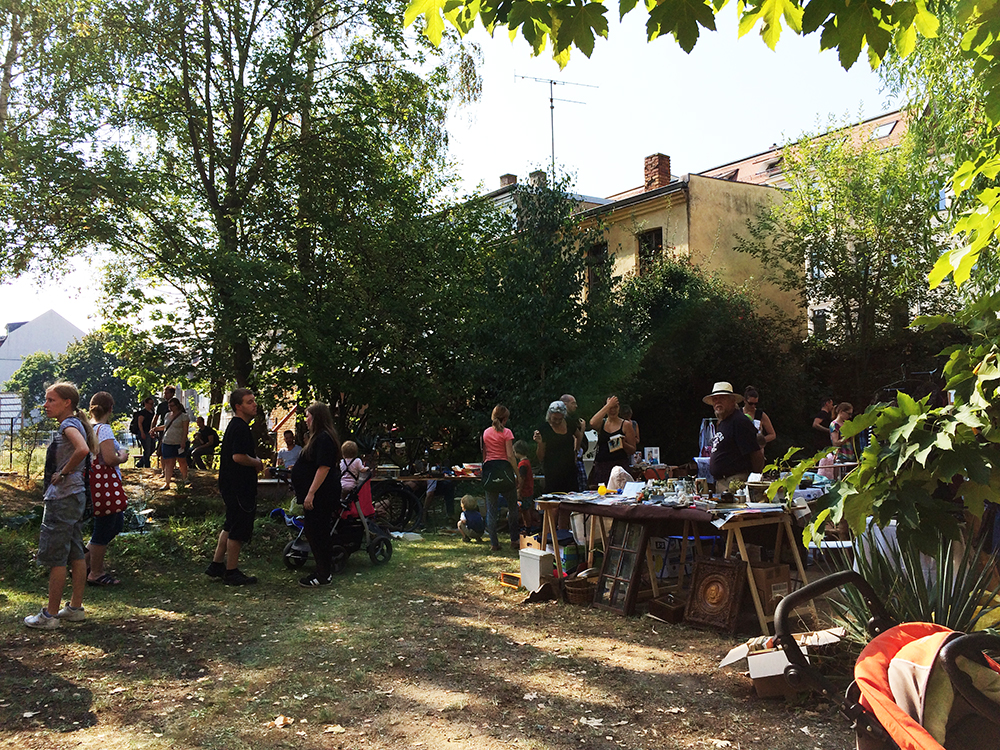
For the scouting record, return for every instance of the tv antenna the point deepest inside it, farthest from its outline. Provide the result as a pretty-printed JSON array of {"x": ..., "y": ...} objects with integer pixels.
[{"x": 552, "y": 107}]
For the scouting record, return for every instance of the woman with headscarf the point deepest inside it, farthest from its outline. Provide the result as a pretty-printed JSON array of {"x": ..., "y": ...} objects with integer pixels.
[
  {"x": 500, "y": 476},
  {"x": 556, "y": 450}
]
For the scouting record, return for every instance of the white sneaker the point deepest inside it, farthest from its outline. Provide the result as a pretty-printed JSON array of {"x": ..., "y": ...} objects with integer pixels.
[
  {"x": 42, "y": 621},
  {"x": 72, "y": 614}
]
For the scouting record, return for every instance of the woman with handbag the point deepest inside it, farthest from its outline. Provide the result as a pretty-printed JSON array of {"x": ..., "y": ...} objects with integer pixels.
[
  {"x": 175, "y": 434},
  {"x": 109, "y": 501},
  {"x": 500, "y": 477}
]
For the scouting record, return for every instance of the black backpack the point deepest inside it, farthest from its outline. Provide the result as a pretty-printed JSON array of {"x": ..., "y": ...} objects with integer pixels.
[{"x": 133, "y": 426}]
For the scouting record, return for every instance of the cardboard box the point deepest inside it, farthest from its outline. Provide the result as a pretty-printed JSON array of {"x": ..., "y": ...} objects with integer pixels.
[
  {"x": 767, "y": 664},
  {"x": 773, "y": 582}
]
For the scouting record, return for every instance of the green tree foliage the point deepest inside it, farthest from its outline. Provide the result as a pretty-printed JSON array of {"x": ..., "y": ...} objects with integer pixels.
[
  {"x": 535, "y": 330},
  {"x": 278, "y": 205},
  {"x": 90, "y": 365},
  {"x": 852, "y": 28},
  {"x": 59, "y": 63},
  {"x": 87, "y": 363},
  {"x": 692, "y": 330},
  {"x": 857, "y": 233},
  {"x": 37, "y": 372}
]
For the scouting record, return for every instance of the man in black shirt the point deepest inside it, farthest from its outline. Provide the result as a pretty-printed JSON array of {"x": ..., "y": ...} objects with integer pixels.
[
  {"x": 238, "y": 469},
  {"x": 205, "y": 441},
  {"x": 737, "y": 448},
  {"x": 821, "y": 423},
  {"x": 144, "y": 423}
]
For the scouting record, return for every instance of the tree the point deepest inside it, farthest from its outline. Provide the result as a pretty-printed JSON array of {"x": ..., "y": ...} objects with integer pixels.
[
  {"x": 59, "y": 61},
  {"x": 692, "y": 329},
  {"x": 874, "y": 27},
  {"x": 856, "y": 233},
  {"x": 92, "y": 367},
  {"x": 37, "y": 372},
  {"x": 279, "y": 144},
  {"x": 534, "y": 327}
]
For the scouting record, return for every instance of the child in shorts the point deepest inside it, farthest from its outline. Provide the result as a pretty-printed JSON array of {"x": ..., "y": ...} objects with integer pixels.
[
  {"x": 351, "y": 467},
  {"x": 471, "y": 523},
  {"x": 526, "y": 489}
]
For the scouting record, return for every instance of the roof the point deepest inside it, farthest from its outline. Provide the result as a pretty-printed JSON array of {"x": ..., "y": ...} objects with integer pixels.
[{"x": 765, "y": 168}]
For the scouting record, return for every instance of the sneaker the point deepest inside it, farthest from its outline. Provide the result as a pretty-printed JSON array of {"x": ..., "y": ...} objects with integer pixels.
[
  {"x": 42, "y": 621},
  {"x": 314, "y": 580},
  {"x": 237, "y": 577},
  {"x": 72, "y": 614},
  {"x": 215, "y": 570}
]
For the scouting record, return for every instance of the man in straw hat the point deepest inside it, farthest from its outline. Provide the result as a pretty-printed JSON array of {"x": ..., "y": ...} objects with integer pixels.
[{"x": 737, "y": 448}]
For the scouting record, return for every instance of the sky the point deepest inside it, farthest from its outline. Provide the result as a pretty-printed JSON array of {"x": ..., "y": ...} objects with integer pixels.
[{"x": 730, "y": 98}]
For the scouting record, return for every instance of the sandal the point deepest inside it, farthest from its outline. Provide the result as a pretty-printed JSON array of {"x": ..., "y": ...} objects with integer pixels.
[{"x": 105, "y": 580}]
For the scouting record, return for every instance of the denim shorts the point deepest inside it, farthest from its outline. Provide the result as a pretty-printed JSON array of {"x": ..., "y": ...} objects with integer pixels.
[
  {"x": 61, "y": 539},
  {"x": 170, "y": 451},
  {"x": 107, "y": 528}
]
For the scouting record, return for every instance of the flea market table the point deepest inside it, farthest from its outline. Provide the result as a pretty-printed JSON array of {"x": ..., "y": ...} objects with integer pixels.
[{"x": 626, "y": 544}]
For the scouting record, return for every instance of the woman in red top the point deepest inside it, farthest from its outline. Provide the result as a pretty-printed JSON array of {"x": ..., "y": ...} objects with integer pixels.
[{"x": 500, "y": 476}]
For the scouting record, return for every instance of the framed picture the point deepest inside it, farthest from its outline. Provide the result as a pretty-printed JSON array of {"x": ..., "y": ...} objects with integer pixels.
[{"x": 652, "y": 455}]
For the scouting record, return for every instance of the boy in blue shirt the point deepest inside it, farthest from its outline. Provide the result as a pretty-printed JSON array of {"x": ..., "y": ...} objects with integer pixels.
[{"x": 471, "y": 524}]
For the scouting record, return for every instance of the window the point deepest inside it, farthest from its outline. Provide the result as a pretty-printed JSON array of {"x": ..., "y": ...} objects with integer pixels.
[
  {"x": 596, "y": 256},
  {"x": 883, "y": 131},
  {"x": 819, "y": 323},
  {"x": 650, "y": 248}
]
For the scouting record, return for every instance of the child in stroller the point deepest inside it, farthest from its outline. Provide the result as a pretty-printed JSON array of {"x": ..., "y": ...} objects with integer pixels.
[{"x": 352, "y": 529}]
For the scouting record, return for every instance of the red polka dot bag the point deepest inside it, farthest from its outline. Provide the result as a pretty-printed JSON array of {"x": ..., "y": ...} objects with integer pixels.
[{"x": 106, "y": 491}]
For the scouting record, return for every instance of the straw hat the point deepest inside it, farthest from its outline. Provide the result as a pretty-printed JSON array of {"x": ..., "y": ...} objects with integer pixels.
[{"x": 722, "y": 388}]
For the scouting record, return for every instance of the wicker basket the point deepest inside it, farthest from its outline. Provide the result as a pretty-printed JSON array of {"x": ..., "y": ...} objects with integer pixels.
[{"x": 580, "y": 590}]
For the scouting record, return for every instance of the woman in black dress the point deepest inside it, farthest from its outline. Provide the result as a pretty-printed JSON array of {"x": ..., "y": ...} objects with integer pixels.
[
  {"x": 557, "y": 450},
  {"x": 316, "y": 479}
]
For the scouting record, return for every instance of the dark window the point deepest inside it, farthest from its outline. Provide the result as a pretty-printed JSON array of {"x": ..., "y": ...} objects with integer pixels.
[
  {"x": 596, "y": 256},
  {"x": 650, "y": 248},
  {"x": 819, "y": 323}
]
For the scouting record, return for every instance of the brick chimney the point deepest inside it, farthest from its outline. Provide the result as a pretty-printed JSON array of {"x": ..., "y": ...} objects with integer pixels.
[
  {"x": 506, "y": 180},
  {"x": 657, "y": 171},
  {"x": 537, "y": 178}
]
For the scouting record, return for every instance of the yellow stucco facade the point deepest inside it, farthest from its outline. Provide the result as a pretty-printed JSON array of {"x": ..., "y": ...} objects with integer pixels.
[{"x": 700, "y": 218}]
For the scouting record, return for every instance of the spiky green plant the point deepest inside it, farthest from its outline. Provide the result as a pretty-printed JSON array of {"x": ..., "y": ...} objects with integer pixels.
[{"x": 957, "y": 591}]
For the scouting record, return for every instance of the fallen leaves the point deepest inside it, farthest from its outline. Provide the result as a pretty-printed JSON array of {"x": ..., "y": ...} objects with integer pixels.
[
  {"x": 281, "y": 721},
  {"x": 334, "y": 729}
]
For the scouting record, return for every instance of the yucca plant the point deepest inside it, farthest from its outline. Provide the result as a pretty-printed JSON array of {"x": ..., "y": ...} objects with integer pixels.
[{"x": 958, "y": 589}]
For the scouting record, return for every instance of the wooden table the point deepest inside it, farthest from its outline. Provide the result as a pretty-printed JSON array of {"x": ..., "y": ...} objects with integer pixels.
[
  {"x": 734, "y": 534},
  {"x": 651, "y": 520},
  {"x": 656, "y": 520}
]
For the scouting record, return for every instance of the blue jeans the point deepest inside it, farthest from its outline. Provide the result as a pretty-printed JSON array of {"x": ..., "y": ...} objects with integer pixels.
[{"x": 493, "y": 515}]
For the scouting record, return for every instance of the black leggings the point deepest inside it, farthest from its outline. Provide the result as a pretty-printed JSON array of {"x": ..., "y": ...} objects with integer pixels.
[{"x": 318, "y": 523}]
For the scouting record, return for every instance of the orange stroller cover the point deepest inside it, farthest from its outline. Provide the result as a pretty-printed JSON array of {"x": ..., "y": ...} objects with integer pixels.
[{"x": 903, "y": 685}]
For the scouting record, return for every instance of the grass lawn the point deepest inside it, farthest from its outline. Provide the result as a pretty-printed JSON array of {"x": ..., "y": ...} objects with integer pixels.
[{"x": 427, "y": 651}]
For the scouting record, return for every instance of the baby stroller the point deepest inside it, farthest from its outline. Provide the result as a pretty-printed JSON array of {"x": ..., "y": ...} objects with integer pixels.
[
  {"x": 352, "y": 530},
  {"x": 917, "y": 686}
]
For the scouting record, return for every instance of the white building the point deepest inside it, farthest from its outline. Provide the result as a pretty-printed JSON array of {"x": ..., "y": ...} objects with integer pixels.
[{"x": 49, "y": 332}]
